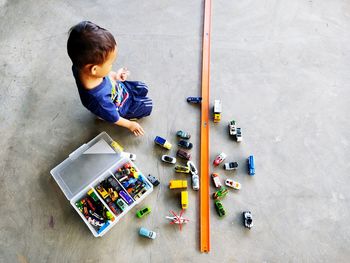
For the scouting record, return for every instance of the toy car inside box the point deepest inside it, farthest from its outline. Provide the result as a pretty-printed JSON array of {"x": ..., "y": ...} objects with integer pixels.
[{"x": 101, "y": 184}]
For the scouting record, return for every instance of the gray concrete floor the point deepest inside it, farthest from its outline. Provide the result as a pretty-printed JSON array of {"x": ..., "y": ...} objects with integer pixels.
[{"x": 281, "y": 69}]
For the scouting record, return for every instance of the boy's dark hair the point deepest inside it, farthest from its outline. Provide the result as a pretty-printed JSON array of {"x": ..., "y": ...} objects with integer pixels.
[{"x": 89, "y": 44}]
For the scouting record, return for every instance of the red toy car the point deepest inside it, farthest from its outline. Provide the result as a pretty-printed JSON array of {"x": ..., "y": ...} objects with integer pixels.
[{"x": 219, "y": 159}]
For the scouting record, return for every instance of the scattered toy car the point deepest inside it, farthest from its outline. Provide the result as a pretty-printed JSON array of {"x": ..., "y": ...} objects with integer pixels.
[
  {"x": 217, "y": 111},
  {"x": 153, "y": 180},
  {"x": 192, "y": 167},
  {"x": 232, "y": 127},
  {"x": 185, "y": 144},
  {"x": 233, "y": 184},
  {"x": 183, "y": 154},
  {"x": 195, "y": 182},
  {"x": 239, "y": 135},
  {"x": 131, "y": 156},
  {"x": 162, "y": 142},
  {"x": 220, "y": 194},
  {"x": 144, "y": 211},
  {"x": 147, "y": 233},
  {"x": 168, "y": 159},
  {"x": 174, "y": 184},
  {"x": 248, "y": 219},
  {"x": 231, "y": 166},
  {"x": 251, "y": 165},
  {"x": 195, "y": 177},
  {"x": 194, "y": 99},
  {"x": 182, "y": 169},
  {"x": 219, "y": 159},
  {"x": 183, "y": 135},
  {"x": 184, "y": 199},
  {"x": 216, "y": 180},
  {"x": 219, "y": 208}
]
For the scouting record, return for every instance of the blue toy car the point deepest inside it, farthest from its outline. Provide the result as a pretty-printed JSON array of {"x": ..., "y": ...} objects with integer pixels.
[
  {"x": 194, "y": 99},
  {"x": 251, "y": 165},
  {"x": 147, "y": 233}
]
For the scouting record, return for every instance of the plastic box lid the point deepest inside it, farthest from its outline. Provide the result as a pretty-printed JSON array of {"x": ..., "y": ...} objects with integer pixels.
[{"x": 85, "y": 164}]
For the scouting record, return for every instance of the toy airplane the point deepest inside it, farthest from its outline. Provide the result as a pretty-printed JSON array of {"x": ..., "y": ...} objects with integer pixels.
[{"x": 177, "y": 219}]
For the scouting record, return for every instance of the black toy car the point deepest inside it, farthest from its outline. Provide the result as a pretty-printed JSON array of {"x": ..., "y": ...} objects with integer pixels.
[
  {"x": 185, "y": 144},
  {"x": 153, "y": 180},
  {"x": 247, "y": 219},
  {"x": 194, "y": 99}
]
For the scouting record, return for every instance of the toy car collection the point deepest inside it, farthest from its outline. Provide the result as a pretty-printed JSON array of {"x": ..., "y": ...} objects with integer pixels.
[
  {"x": 153, "y": 180},
  {"x": 183, "y": 154},
  {"x": 239, "y": 135},
  {"x": 175, "y": 184},
  {"x": 194, "y": 99},
  {"x": 251, "y": 165},
  {"x": 162, "y": 142},
  {"x": 232, "y": 127},
  {"x": 185, "y": 144},
  {"x": 219, "y": 159},
  {"x": 144, "y": 232},
  {"x": 220, "y": 194},
  {"x": 216, "y": 180},
  {"x": 168, "y": 159},
  {"x": 233, "y": 184},
  {"x": 144, "y": 211},
  {"x": 184, "y": 199},
  {"x": 219, "y": 208},
  {"x": 183, "y": 135},
  {"x": 247, "y": 219},
  {"x": 231, "y": 166},
  {"x": 94, "y": 211},
  {"x": 217, "y": 111}
]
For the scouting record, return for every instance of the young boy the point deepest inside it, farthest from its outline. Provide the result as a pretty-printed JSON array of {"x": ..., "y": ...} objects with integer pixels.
[{"x": 105, "y": 93}]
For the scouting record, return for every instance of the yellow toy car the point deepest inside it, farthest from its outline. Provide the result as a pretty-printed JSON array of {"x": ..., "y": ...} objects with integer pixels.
[
  {"x": 176, "y": 184},
  {"x": 184, "y": 199}
]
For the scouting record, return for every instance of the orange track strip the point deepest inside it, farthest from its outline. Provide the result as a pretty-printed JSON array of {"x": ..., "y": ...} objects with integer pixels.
[{"x": 204, "y": 163}]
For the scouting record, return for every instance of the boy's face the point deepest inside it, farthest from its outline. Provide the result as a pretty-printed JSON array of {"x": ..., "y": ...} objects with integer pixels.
[{"x": 102, "y": 70}]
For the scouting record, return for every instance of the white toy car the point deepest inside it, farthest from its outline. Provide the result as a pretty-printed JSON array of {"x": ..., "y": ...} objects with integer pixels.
[
  {"x": 233, "y": 184},
  {"x": 231, "y": 166},
  {"x": 232, "y": 127},
  {"x": 239, "y": 135},
  {"x": 168, "y": 159},
  {"x": 131, "y": 156},
  {"x": 216, "y": 180}
]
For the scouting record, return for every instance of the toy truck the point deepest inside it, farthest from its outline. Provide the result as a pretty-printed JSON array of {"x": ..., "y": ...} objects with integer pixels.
[
  {"x": 176, "y": 184},
  {"x": 251, "y": 165},
  {"x": 217, "y": 111},
  {"x": 162, "y": 142},
  {"x": 184, "y": 199}
]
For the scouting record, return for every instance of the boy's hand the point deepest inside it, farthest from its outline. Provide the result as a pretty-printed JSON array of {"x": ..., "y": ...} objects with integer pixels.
[
  {"x": 136, "y": 128},
  {"x": 122, "y": 74}
]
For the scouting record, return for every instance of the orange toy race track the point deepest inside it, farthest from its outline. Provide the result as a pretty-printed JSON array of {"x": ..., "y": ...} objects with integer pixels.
[{"x": 204, "y": 162}]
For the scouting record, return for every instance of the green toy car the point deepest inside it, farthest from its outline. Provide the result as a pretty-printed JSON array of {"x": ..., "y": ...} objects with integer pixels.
[
  {"x": 219, "y": 208},
  {"x": 144, "y": 211},
  {"x": 220, "y": 194}
]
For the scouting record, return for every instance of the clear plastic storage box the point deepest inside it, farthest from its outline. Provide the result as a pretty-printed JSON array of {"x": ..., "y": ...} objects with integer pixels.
[{"x": 101, "y": 184}]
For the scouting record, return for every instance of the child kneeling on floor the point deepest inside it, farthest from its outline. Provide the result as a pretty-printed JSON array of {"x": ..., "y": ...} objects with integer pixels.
[{"x": 105, "y": 93}]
